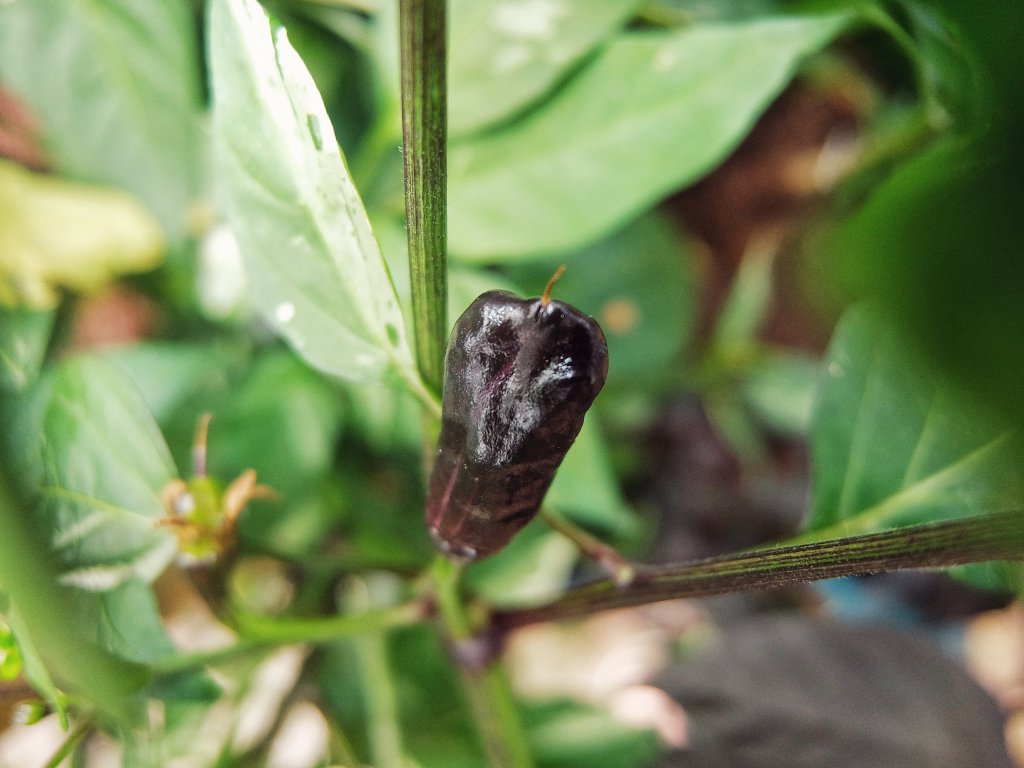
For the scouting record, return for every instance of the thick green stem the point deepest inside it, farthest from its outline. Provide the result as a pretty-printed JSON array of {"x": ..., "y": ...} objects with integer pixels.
[
  {"x": 971, "y": 540},
  {"x": 486, "y": 685},
  {"x": 424, "y": 139},
  {"x": 260, "y": 633}
]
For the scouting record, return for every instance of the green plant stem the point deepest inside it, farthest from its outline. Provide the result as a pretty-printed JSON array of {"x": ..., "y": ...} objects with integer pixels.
[
  {"x": 970, "y": 540},
  {"x": 487, "y": 688},
  {"x": 384, "y": 733},
  {"x": 260, "y": 633},
  {"x": 422, "y": 29},
  {"x": 71, "y": 742},
  {"x": 449, "y": 604},
  {"x": 501, "y": 731},
  {"x": 184, "y": 662},
  {"x": 323, "y": 630},
  {"x": 614, "y": 563},
  {"x": 374, "y": 664}
]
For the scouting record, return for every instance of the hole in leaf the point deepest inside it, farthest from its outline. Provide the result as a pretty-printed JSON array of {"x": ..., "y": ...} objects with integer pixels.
[{"x": 314, "y": 131}]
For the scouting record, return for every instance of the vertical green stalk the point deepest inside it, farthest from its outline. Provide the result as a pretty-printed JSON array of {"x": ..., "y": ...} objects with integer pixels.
[
  {"x": 487, "y": 689},
  {"x": 422, "y": 29},
  {"x": 71, "y": 742},
  {"x": 501, "y": 730},
  {"x": 381, "y": 699},
  {"x": 384, "y": 732},
  {"x": 424, "y": 137}
]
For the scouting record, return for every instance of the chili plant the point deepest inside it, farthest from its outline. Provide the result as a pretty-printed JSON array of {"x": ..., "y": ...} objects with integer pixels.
[{"x": 252, "y": 458}]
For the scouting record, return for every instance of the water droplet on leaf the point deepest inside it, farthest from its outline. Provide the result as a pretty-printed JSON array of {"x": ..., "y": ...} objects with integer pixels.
[{"x": 284, "y": 312}]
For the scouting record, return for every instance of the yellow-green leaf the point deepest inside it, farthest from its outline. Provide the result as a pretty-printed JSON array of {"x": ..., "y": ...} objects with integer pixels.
[{"x": 58, "y": 234}]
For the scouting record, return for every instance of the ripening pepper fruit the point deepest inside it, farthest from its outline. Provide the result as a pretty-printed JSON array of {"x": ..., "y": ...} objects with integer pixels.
[{"x": 520, "y": 375}]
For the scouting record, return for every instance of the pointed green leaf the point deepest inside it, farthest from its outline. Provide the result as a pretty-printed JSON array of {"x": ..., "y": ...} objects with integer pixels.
[
  {"x": 82, "y": 443},
  {"x": 506, "y": 53},
  {"x": 116, "y": 86},
  {"x": 653, "y": 112},
  {"x": 891, "y": 445},
  {"x": 316, "y": 270}
]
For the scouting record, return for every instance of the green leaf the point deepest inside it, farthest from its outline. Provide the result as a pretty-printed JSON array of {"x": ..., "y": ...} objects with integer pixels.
[
  {"x": 41, "y": 617},
  {"x": 569, "y": 734},
  {"x": 653, "y": 112},
  {"x": 949, "y": 69},
  {"x": 638, "y": 285},
  {"x": 10, "y": 654},
  {"x": 35, "y": 668},
  {"x": 82, "y": 443},
  {"x": 532, "y": 570},
  {"x": 60, "y": 234},
  {"x": 124, "y": 620},
  {"x": 438, "y": 730},
  {"x": 283, "y": 421},
  {"x": 315, "y": 267},
  {"x": 938, "y": 242},
  {"x": 585, "y": 488},
  {"x": 387, "y": 418},
  {"x": 504, "y": 55},
  {"x": 779, "y": 388},
  {"x": 747, "y": 303},
  {"x": 465, "y": 283},
  {"x": 170, "y": 375},
  {"x": 892, "y": 445},
  {"x": 24, "y": 335},
  {"x": 115, "y": 84}
]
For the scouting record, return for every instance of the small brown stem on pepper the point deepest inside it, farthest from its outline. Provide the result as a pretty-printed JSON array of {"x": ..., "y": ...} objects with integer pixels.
[{"x": 545, "y": 299}]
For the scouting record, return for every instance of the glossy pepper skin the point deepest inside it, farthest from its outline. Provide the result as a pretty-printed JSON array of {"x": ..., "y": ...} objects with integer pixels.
[{"x": 519, "y": 376}]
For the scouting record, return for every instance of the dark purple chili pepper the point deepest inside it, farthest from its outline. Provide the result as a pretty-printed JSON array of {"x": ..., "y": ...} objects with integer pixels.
[{"x": 519, "y": 376}]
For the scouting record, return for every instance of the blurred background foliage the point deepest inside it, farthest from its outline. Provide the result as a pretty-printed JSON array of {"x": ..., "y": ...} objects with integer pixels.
[{"x": 723, "y": 181}]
